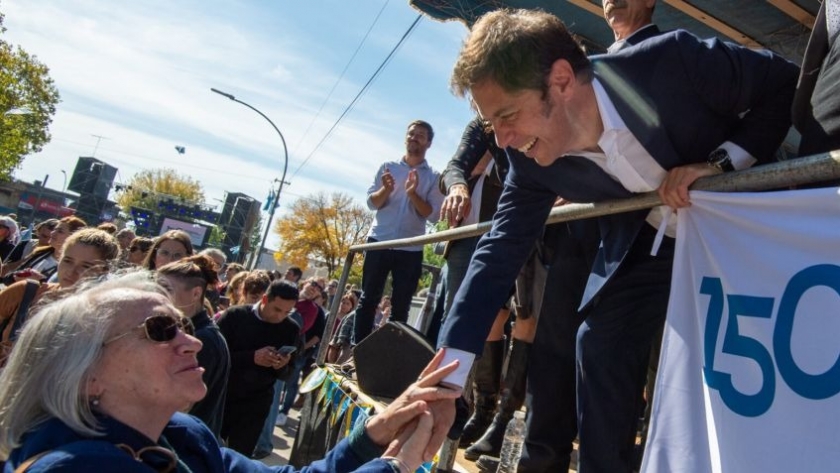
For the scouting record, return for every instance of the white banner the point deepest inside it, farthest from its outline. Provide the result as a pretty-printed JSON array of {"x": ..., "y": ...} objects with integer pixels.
[{"x": 749, "y": 377}]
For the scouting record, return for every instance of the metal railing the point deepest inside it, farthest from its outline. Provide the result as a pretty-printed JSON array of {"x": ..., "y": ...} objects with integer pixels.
[{"x": 785, "y": 174}]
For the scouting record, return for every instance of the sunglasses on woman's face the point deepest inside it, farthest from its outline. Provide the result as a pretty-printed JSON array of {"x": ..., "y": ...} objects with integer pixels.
[{"x": 160, "y": 328}]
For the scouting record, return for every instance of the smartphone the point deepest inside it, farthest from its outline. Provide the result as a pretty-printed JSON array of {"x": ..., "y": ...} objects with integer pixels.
[{"x": 287, "y": 350}]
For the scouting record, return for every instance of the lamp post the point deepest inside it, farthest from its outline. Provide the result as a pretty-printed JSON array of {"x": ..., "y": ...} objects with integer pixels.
[
  {"x": 254, "y": 259},
  {"x": 64, "y": 185}
]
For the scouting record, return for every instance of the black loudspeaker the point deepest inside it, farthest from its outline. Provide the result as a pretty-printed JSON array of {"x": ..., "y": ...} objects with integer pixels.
[
  {"x": 93, "y": 177},
  {"x": 237, "y": 219},
  {"x": 390, "y": 359}
]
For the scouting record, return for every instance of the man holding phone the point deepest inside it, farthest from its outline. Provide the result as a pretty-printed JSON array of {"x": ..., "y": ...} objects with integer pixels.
[{"x": 257, "y": 337}]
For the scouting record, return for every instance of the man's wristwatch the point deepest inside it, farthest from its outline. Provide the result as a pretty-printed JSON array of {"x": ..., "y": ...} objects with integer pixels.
[{"x": 720, "y": 160}]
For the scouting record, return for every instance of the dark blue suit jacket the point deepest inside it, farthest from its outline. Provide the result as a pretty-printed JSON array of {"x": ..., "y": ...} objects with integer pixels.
[{"x": 682, "y": 98}]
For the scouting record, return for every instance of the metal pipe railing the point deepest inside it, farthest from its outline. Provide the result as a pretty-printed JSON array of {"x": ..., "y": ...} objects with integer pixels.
[{"x": 784, "y": 174}]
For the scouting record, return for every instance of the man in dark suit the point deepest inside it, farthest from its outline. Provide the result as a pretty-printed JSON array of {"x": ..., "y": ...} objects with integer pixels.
[
  {"x": 656, "y": 116},
  {"x": 816, "y": 106},
  {"x": 631, "y": 22}
]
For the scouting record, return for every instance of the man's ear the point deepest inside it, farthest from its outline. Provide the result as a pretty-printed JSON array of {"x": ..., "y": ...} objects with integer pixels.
[
  {"x": 561, "y": 77},
  {"x": 196, "y": 292}
]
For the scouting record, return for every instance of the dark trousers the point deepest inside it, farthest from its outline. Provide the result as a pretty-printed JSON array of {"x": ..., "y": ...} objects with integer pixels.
[
  {"x": 613, "y": 348},
  {"x": 243, "y": 421},
  {"x": 405, "y": 268},
  {"x": 551, "y": 423}
]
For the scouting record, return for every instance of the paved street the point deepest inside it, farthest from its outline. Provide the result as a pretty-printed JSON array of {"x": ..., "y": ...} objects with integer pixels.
[{"x": 284, "y": 438}]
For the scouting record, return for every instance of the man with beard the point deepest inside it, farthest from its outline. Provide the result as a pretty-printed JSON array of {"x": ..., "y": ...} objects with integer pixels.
[{"x": 404, "y": 195}]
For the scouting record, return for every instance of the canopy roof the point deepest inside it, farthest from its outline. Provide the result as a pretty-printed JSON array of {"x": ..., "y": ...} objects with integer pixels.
[{"x": 780, "y": 25}]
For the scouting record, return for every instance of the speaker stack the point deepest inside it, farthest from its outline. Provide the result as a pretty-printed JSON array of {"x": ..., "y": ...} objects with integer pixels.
[{"x": 92, "y": 180}]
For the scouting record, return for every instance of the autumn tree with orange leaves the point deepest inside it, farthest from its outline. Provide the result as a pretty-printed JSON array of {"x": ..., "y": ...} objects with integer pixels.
[{"x": 323, "y": 228}]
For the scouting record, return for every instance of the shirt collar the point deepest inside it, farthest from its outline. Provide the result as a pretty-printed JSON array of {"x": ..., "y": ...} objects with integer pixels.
[
  {"x": 610, "y": 118},
  {"x": 638, "y": 30},
  {"x": 256, "y": 309},
  {"x": 424, "y": 164}
]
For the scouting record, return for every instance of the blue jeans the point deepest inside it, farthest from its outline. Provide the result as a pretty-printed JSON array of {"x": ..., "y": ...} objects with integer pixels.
[
  {"x": 264, "y": 444},
  {"x": 405, "y": 268}
]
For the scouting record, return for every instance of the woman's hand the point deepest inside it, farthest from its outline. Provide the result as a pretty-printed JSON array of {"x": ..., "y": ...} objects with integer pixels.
[
  {"x": 424, "y": 395},
  {"x": 409, "y": 449}
]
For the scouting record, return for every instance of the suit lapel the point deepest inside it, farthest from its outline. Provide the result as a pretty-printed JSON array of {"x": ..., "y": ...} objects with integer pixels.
[{"x": 640, "y": 115}]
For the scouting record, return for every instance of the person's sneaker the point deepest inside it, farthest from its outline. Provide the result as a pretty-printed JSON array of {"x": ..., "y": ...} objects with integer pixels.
[
  {"x": 281, "y": 420},
  {"x": 487, "y": 464}
]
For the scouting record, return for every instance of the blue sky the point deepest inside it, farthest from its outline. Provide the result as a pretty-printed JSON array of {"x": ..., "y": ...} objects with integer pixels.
[{"x": 139, "y": 74}]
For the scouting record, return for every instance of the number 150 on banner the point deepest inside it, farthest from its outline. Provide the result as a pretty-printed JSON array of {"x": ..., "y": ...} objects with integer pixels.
[{"x": 810, "y": 386}]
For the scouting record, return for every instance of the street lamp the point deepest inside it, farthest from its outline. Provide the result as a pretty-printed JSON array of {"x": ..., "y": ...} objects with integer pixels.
[
  {"x": 254, "y": 259},
  {"x": 64, "y": 185}
]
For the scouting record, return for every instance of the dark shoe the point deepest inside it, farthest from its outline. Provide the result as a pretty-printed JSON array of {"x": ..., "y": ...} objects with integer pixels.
[
  {"x": 512, "y": 398},
  {"x": 259, "y": 455},
  {"x": 487, "y": 464},
  {"x": 486, "y": 381},
  {"x": 491, "y": 442}
]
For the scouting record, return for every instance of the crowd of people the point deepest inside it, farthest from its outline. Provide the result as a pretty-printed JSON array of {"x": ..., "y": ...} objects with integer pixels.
[{"x": 108, "y": 339}]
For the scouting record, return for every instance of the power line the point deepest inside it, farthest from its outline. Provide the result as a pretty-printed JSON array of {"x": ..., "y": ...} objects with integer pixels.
[
  {"x": 361, "y": 92},
  {"x": 338, "y": 81}
]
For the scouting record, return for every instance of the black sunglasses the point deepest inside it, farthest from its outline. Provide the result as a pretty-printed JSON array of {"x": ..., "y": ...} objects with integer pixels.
[{"x": 160, "y": 328}]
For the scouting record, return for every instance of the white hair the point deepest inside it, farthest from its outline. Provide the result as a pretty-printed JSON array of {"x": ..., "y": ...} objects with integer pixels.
[{"x": 52, "y": 361}]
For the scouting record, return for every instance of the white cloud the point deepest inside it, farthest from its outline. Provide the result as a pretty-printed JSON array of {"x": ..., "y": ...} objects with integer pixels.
[{"x": 139, "y": 73}]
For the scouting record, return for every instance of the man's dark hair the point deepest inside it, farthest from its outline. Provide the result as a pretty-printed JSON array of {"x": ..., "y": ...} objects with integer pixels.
[
  {"x": 283, "y": 289},
  {"x": 516, "y": 49},
  {"x": 425, "y": 125},
  {"x": 296, "y": 271}
]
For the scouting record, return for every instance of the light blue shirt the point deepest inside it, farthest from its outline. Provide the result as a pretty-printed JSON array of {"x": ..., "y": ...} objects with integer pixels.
[{"x": 398, "y": 218}]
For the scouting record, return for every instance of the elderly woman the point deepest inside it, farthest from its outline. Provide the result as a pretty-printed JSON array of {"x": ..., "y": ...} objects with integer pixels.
[
  {"x": 98, "y": 378},
  {"x": 171, "y": 246},
  {"x": 8, "y": 236}
]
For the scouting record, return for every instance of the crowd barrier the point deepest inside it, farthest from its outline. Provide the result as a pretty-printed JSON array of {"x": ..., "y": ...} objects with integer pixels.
[{"x": 781, "y": 175}]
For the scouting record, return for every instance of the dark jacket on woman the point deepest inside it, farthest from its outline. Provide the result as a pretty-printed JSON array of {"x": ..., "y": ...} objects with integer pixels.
[{"x": 195, "y": 447}]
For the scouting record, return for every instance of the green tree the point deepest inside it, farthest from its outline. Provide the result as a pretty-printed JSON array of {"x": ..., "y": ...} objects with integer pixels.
[
  {"x": 429, "y": 255},
  {"x": 27, "y": 104},
  {"x": 146, "y": 188}
]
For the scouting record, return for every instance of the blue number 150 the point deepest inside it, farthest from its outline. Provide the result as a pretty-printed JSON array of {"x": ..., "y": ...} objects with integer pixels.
[{"x": 811, "y": 386}]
